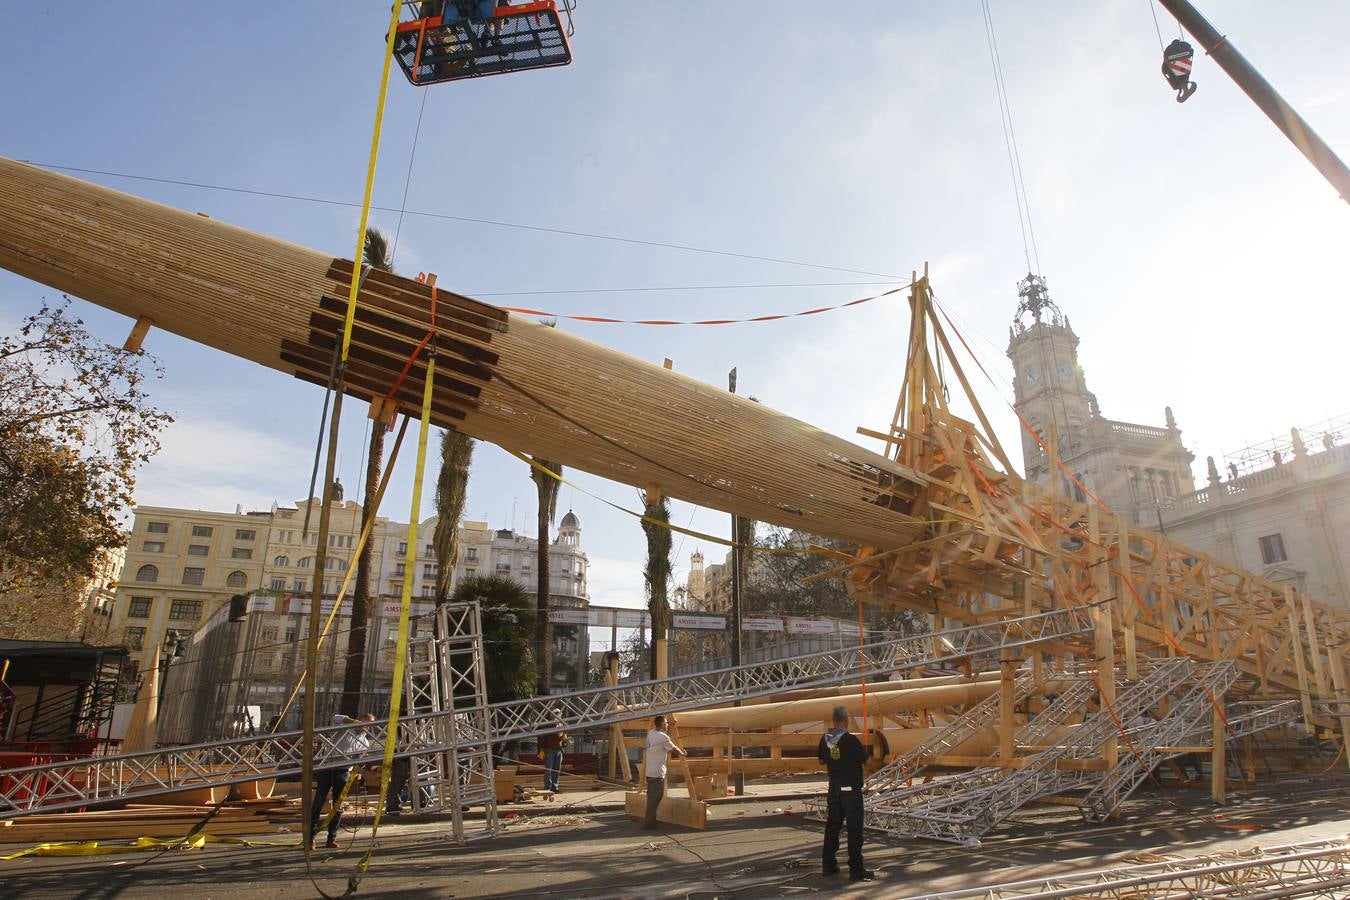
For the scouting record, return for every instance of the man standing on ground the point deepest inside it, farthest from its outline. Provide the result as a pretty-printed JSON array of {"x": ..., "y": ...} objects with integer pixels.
[
  {"x": 331, "y": 781},
  {"x": 659, "y": 747},
  {"x": 843, "y": 756},
  {"x": 552, "y": 746}
]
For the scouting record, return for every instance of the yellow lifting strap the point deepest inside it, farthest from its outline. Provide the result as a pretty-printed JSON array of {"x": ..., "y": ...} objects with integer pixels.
[
  {"x": 311, "y": 656},
  {"x": 401, "y": 646}
]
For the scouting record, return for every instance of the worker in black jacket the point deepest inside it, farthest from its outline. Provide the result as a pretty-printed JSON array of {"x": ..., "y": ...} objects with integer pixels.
[{"x": 843, "y": 755}]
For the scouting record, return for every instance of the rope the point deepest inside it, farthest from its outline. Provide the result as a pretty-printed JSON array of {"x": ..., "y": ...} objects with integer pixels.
[
  {"x": 401, "y": 645},
  {"x": 605, "y": 320},
  {"x": 311, "y": 652}
]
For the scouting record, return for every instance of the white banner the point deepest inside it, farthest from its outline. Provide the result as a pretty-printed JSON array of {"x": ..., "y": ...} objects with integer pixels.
[
  {"x": 569, "y": 616},
  {"x": 798, "y": 625},
  {"x": 635, "y": 618},
  {"x": 706, "y": 623},
  {"x": 761, "y": 623}
]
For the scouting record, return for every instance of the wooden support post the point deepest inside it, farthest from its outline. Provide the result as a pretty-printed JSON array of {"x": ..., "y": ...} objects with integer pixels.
[
  {"x": 1104, "y": 647},
  {"x": 1310, "y": 624},
  {"x": 1127, "y": 606},
  {"x": 1296, "y": 648},
  {"x": 1218, "y": 760},
  {"x": 138, "y": 332},
  {"x": 618, "y": 751},
  {"x": 1007, "y": 724},
  {"x": 1336, "y": 662}
]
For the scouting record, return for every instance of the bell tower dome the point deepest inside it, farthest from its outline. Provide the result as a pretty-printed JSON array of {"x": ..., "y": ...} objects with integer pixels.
[{"x": 1049, "y": 387}]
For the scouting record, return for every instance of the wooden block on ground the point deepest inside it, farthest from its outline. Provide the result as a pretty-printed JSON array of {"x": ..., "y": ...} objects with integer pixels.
[
  {"x": 673, "y": 810},
  {"x": 254, "y": 790}
]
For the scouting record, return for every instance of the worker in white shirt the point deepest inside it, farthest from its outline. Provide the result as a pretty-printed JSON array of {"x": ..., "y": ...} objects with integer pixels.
[{"x": 658, "y": 750}]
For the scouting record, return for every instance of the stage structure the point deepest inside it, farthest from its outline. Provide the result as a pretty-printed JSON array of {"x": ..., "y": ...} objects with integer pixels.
[{"x": 939, "y": 519}]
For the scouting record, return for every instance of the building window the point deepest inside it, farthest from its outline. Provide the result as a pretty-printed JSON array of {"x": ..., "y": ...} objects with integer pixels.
[
  {"x": 292, "y": 635},
  {"x": 429, "y": 570},
  {"x": 241, "y": 553},
  {"x": 399, "y": 570},
  {"x": 153, "y": 547},
  {"x": 194, "y": 576},
  {"x": 236, "y": 579},
  {"x": 471, "y": 554},
  {"x": 186, "y": 610},
  {"x": 147, "y": 573},
  {"x": 278, "y": 584},
  {"x": 133, "y": 638},
  {"x": 139, "y": 608},
  {"x": 201, "y": 530},
  {"x": 431, "y": 551},
  {"x": 157, "y": 527},
  {"x": 198, "y": 549},
  {"x": 299, "y": 585},
  {"x": 1272, "y": 549},
  {"x": 244, "y": 534},
  {"x": 428, "y": 592},
  {"x": 402, "y": 548},
  {"x": 282, "y": 561},
  {"x": 306, "y": 562}
]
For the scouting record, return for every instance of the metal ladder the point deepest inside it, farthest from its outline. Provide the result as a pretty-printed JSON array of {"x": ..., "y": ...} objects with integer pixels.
[
  {"x": 961, "y": 810},
  {"x": 472, "y": 730}
]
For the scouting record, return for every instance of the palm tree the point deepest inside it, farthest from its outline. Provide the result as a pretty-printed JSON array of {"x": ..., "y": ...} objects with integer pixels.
[
  {"x": 507, "y": 618},
  {"x": 546, "y": 488},
  {"x": 452, "y": 487},
  {"x": 376, "y": 255},
  {"x": 655, "y": 525}
]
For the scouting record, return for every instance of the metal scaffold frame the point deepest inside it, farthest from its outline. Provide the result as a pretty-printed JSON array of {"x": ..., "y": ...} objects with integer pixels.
[
  {"x": 75, "y": 783},
  {"x": 1319, "y": 869}
]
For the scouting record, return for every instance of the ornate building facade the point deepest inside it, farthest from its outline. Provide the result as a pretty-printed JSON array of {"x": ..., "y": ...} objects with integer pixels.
[{"x": 1133, "y": 468}]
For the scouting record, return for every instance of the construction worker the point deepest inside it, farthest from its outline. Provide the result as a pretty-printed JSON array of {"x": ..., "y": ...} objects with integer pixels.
[
  {"x": 658, "y": 749},
  {"x": 843, "y": 756},
  {"x": 331, "y": 781}
]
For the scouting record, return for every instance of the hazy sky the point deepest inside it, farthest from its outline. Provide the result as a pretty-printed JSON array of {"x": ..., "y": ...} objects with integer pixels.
[{"x": 1202, "y": 261}]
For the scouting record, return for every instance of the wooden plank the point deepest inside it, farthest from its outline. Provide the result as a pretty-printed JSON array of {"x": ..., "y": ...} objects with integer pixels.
[
  {"x": 681, "y": 811},
  {"x": 138, "y": 333}
]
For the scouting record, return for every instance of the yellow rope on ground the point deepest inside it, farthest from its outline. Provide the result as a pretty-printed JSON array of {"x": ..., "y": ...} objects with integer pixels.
[
  {"x": 401, "y": 646},
  {"x": 94, "y": 848}
]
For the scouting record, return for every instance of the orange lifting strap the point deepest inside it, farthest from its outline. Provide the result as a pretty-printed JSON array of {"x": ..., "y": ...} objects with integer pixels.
[{"x": 450, "y": 47}]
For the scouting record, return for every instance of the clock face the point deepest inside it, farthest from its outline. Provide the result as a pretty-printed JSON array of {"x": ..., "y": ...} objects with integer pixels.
[
  {"x": 1033, "y": 374},
  {"x": 1064, "y": 371}
]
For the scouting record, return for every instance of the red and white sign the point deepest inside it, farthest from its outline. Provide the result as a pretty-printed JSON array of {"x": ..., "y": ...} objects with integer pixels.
[
  {"x": 798, "y": 625},
  {"x": 705, "y": 623}
]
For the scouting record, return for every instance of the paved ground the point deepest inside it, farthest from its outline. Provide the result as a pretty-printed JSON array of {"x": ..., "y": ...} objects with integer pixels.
[{"x": 760, "y": 848}]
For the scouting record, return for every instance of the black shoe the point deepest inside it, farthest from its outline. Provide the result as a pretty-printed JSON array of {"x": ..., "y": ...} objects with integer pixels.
[
  {"x": 829, "y": 870},
  {"x": 863, "y": 875}
]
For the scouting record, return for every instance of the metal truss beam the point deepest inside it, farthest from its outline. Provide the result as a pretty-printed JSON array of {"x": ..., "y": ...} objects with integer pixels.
[
  {"x": 1319, "y": 869},
  {"x": 76, "y": 783}
]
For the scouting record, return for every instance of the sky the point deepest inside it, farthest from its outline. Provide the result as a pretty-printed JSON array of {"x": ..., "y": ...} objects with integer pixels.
[{"x": 1202, "y": 261}]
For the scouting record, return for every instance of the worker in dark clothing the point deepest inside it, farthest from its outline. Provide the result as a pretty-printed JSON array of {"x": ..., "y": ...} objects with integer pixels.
[{"x": 843, "y": 756}]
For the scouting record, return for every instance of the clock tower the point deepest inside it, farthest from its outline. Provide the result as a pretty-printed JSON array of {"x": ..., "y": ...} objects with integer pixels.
[
  {"x": 1133, "y": 469},
  {"x": 1050, "y": 390}
]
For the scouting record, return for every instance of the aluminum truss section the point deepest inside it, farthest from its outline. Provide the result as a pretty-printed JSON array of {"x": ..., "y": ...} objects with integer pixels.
[
  {"x": 1319, "y": 869},
  {"x": 960, "y": 810},
  {"x": 1057, "y": 714},
  {"x": 465, "y": 728},
  {"x": 612, "y": 705},
  {"x": 962, "y": 728},
  {"x": 1147, "y": 747},
  {"x": 75, "y": 783}
]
